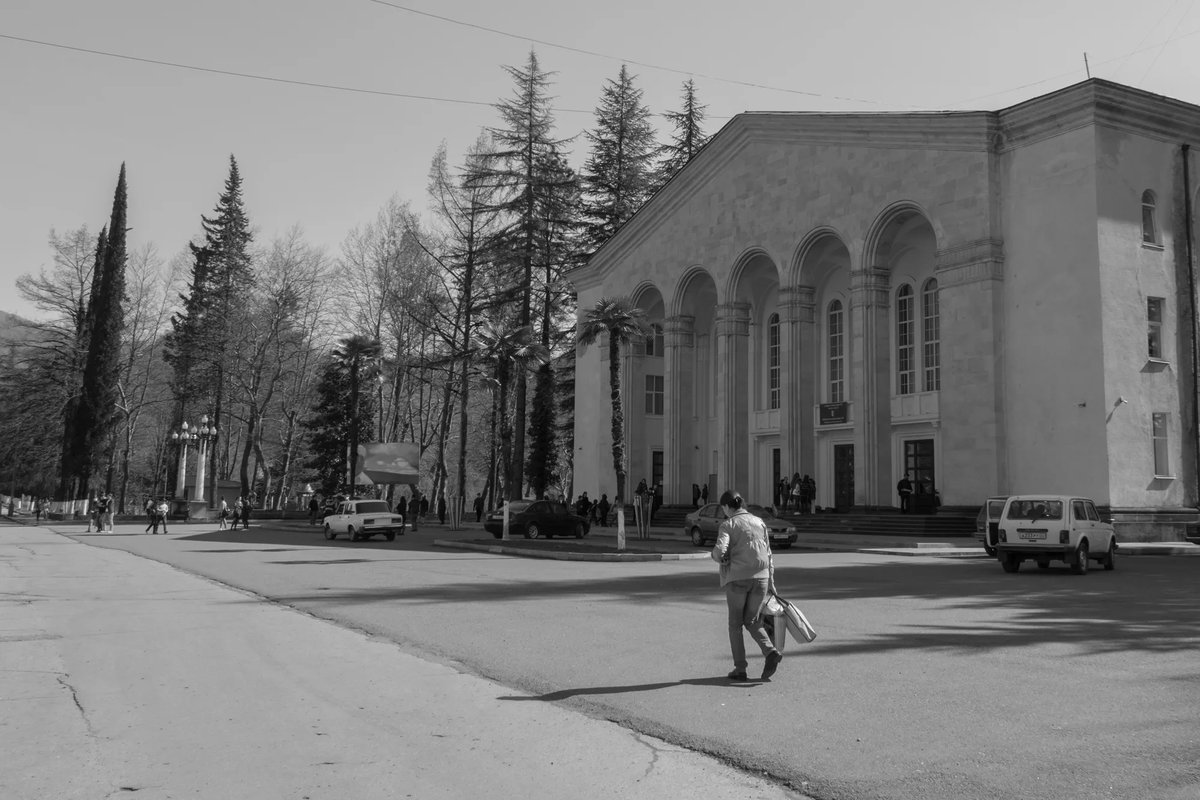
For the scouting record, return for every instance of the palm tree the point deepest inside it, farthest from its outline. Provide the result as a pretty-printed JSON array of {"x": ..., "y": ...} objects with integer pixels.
[
  {"x": 623, "y": 322},
  {"x": 359, "y": 357},
  {"x": 507, "y": 348}
]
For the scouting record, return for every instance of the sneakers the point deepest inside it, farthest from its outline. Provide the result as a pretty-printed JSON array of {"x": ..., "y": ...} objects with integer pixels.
[
  {"x": 738, "y": 675},
  {"x": 773, "y": 659}
]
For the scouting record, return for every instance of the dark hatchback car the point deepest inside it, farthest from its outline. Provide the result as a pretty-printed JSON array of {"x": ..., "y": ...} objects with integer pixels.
[{"x": 537, "y": 519}]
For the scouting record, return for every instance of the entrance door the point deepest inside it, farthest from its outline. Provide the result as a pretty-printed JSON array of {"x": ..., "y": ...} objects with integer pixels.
[
  {"x": 843, "y": 475},
  {"x": 918, "y": 463}
]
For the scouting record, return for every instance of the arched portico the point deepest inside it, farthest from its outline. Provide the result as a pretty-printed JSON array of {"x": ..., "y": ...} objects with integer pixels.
[
  {"x": 690, "y": 362},
  {"x": 823, "y": 426}
]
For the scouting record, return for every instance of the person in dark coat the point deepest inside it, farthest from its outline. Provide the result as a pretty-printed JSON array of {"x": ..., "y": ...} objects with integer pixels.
[
  {"x": 402, "y": 506},
  {"x": 442, "y": 508},
  {"x": 479, "y": 507},
  {"x": 603, "y": 507},
  {"x": 424, "y": 507},
  {"x": 245, "y": 513},
  {"x": 904, "y": 488}
]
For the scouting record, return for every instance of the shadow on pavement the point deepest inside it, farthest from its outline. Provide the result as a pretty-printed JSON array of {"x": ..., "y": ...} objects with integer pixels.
[
  {"x": 565, "y": 694},
  {"x": 1099, "y": 613}
]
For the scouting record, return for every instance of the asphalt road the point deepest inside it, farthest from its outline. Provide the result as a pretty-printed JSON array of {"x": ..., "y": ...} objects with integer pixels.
[{"x": 931, "y": 678}]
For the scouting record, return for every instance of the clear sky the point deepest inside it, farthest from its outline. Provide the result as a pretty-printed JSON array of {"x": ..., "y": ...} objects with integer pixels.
[{"x": 327, "y": 159}]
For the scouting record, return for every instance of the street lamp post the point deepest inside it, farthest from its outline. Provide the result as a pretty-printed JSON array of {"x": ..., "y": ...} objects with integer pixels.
[
  {"x": 203, "y": 436},
  {"x": 182, "y": 436}
]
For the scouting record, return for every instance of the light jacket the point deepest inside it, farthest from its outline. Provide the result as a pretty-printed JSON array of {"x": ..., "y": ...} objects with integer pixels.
[{"x": 744, "y": 538}]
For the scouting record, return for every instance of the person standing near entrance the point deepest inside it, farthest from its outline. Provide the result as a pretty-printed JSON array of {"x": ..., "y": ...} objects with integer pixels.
[
  {"x": 904, "y": 488},
  {"x": 747, "y": 572},
  {"x": 478, "y": 507},
  {"x": 808, "y": 492}
]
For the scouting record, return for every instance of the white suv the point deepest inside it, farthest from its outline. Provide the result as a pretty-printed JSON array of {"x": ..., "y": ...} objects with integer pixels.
[
  {"x": 1043, "y": 527},
  {"x": 362, "y": 519}
]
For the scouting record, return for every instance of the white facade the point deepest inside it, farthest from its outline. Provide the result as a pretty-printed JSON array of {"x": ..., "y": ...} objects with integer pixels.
[{"x": 964, "y": 296}]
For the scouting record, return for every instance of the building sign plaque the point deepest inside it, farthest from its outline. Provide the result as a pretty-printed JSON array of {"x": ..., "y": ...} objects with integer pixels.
[{"x": 833, "y": 413}]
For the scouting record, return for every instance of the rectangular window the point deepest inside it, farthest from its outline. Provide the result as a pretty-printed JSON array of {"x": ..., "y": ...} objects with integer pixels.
[
  {"x": 1158, "y": 422},
  {"x": 654, "y": 395},
  {"x": 1154, "y": 321},
  {"x": 1149, "y": 229},
  {"x": 932, "y": 342},
  {"x": 773, "y": 363},
  {"x": 905, "y": 351},
  {"x": 837, "y": 377}
]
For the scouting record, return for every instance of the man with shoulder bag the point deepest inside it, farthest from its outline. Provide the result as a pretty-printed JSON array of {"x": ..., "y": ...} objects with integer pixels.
[{"x": 747, "y": 571}]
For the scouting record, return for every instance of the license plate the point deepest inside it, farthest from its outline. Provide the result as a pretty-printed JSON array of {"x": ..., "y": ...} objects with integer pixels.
[{"x": 1031, "y": 534}]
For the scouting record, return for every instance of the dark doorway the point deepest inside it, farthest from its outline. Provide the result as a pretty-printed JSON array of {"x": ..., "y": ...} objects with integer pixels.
[
  {"x": 918, "y": 463},
  {"x": 656, "y": 467},
  {"x": 843, "y": 475}
]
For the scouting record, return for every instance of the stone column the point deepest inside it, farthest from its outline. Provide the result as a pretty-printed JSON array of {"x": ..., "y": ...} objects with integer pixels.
[
  {"x": 733, "y": 390},
  {"x": 870, "y": 384},
  {"x": 679, "y": 465},
  {"x": 797, "y": 318},
  {"x": 970, "y": 283}
]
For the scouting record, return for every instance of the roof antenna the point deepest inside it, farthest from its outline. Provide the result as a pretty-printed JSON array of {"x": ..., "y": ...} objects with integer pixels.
[{"x": 1086, "y": 67}]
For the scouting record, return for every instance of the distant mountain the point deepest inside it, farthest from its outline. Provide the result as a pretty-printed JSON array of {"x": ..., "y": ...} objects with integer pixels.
[{"x": 10, "y": 327}]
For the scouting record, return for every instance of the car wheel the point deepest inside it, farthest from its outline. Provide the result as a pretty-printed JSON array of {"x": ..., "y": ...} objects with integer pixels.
[
  {"x": 351, "y": 533},
  {"x": 1110, "y": 558},
  {"x": 1079, "y": 564},
  {"x": 498, "y": 535},
  {"x": 329, "y": 534},
  {"x": 579, "y": 531},
  {"x": 531, "y": 531},
  {"x": 987, "y": 548},
  {"x": 1043, "y": 563},
  {"x": 1010, "y": 562},
  {"x": 697, "y": 537},
  {"x": 391, "y": 537}
]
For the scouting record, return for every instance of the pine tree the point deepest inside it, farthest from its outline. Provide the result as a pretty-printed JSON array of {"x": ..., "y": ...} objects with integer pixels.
[
  {"x": 687, "y": 136},
  {"x": 514, "y": 170},
  {"x": 558, "y": 250},
  {"x": 619, "y": 174},
  {"x": 200, "y": 344},
  {"x": 96, "y": 412}
]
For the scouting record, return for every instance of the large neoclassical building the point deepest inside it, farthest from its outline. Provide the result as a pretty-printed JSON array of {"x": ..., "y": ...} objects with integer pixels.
[{"x": 992, "y": 302}]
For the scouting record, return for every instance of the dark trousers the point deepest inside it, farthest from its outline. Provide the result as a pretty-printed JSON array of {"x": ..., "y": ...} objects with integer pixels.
[{"x": 905, "y": 505}]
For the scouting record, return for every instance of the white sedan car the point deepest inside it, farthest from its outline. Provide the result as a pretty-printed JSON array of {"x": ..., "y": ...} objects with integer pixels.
[{"x": 362, "y": 519}]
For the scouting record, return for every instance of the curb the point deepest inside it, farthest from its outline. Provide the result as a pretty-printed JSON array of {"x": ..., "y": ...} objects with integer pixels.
[{"x": 508, "y": 550}]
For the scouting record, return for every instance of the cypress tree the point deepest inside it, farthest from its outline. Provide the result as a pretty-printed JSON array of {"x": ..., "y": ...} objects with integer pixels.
[{"x": 96, "y": 411}]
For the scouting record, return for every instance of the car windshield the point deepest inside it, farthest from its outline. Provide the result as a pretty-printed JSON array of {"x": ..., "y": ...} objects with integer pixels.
[
  {"x": 1035, "y": 509},
  {"x": 373, "y": 507}
]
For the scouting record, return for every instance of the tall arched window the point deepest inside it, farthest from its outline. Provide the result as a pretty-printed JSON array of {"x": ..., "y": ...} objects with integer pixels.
[
  {"x": 906, "y": 341},
  {"x": 773, "y": 356},
  {"x": 931, "y": 338},
  {"x": 1149, "y": 218},
  {"x": 655, "y": 342},
  {"x": 835, "y": 335}
]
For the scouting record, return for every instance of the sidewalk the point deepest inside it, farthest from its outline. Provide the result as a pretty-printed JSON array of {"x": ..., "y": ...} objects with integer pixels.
[
  {"x": 124, "y": 677},
  {"x": 671, "y": 543}
]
